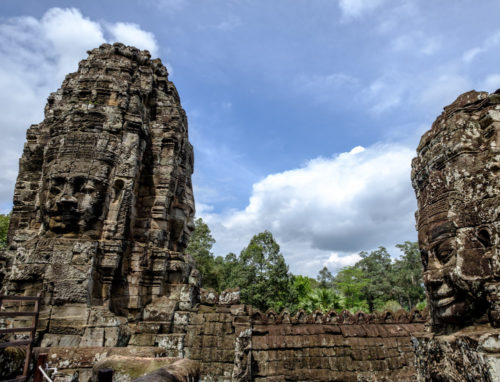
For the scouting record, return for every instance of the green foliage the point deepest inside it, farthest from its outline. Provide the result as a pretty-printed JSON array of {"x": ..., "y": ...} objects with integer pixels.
[
  {"x": 391, "y": 305},
  {"x": 325, "y": 278},
  {"x": 376, "y": 266},
  {"x": 302, "y": 285},
  {"x": 407, "y": 276},
  {"x": 320, "y": 299},
  {"x": 264, "y": 279},
  {"x": 351, "y": 282},
  {"x": 375, "y": 283},
  {"x": 4, "y": 228},
  {"x": 421, "y": 305},
  {"x": 199, "y": 246}
]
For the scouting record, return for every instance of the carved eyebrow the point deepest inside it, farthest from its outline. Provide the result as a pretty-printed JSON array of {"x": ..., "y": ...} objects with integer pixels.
[{"x": 443, "y": 231}]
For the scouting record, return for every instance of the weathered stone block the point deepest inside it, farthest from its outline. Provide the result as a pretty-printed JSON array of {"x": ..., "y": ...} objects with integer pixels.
[{"x": 145, "y": 339}]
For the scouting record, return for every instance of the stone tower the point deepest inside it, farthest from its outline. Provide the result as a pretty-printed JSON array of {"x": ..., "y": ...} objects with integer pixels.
[
  {"x": 456, "y": 177},
  {"x": 103, "y": 204}
]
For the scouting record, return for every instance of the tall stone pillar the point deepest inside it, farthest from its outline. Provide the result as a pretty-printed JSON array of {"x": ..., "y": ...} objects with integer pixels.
[
  {"x": 456, "y": 177},
  {"x": 103, "y": 204}
]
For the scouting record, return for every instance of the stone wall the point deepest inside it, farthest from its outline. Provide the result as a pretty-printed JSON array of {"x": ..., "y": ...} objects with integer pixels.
[{"x": 239, "y": 343}]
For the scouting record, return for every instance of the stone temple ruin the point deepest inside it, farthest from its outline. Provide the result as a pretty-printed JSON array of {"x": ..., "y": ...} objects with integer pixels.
[
  {"x": 103, "y": 209},
  {"x": 456, "y": 179},
  {"x": 103, "y": 205}
]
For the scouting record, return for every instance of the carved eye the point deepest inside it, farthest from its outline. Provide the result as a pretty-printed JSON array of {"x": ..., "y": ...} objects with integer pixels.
[
  {"x": 56, "y": 185},
  {"x": 88, "y": 188},
  {"x": 444, "y": 251}
]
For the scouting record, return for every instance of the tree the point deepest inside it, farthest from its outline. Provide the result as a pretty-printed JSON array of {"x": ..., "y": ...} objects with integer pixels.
[
  {"x": 263, "y": 274},
  {"x": 229, "y": 271},
  {"x": 320, "y": 299},
  {"x": 325, "y": 278},
  {"x": 376, "y": 267},
  {"x": 407, "y": 276},
  {"x": 199, "y": 246},
  {"x": 4, "y": 228},
  {"x": 350, "y": 282}
]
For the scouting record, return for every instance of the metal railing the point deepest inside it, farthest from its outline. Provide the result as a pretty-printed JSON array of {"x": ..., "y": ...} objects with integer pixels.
[{"x": 28, "y": 344}]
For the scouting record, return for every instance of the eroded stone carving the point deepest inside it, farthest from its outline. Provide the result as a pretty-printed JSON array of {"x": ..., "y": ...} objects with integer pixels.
[
  {"x": 456, "y": 179},
  {"x": 103, "y": 204}
]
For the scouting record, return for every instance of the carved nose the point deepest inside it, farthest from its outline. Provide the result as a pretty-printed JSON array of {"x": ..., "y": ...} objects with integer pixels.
[{"x": 67, "y": 201}]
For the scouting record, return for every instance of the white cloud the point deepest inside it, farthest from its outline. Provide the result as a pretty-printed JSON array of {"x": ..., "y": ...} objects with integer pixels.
[
  {"x": 336, "y": 262},
  {"x": 132, "y": 34},
  {"x": 70, "y": 35},
  {"x": 416, "y": 43},
  {"x": 488, "y": 44},
  {"x": 354, "y": 201},
  {"x": 36, "y": 55},
  {"x": 356, "y": 8}
]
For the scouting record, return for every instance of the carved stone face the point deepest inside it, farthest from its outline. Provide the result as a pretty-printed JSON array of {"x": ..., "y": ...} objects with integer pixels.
[
  {"x": 454, "y": 291},
  {"x": 457, "y": 189},
  {"x": 72, "y": 202},
  {"x": 457, "y": 267}
]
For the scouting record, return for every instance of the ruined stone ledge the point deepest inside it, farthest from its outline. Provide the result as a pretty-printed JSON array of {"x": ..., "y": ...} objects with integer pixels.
[
  {"x": 77, "y": 358},
  {"x": 333, "y": 317}
]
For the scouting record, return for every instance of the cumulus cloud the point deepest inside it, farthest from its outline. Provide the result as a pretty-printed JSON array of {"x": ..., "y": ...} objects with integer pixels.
[
  {"x": 132, "y": 34},
  {"x": 335, "y": 261},
  {"x": 36, "y": 55},
  {"x": 328, "y": 209}
]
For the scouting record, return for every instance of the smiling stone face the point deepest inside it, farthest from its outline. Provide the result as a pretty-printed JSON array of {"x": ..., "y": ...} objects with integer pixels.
[
  {"x": 72, "y": 204},
  {"x": 453, "y": 277},
  {"x": 75, "y": 182},
  {"x": 455, "y": 177}
]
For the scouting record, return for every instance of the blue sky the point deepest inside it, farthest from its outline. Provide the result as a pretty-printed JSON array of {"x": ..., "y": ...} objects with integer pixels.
[{"x": 304, "y": 114}]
